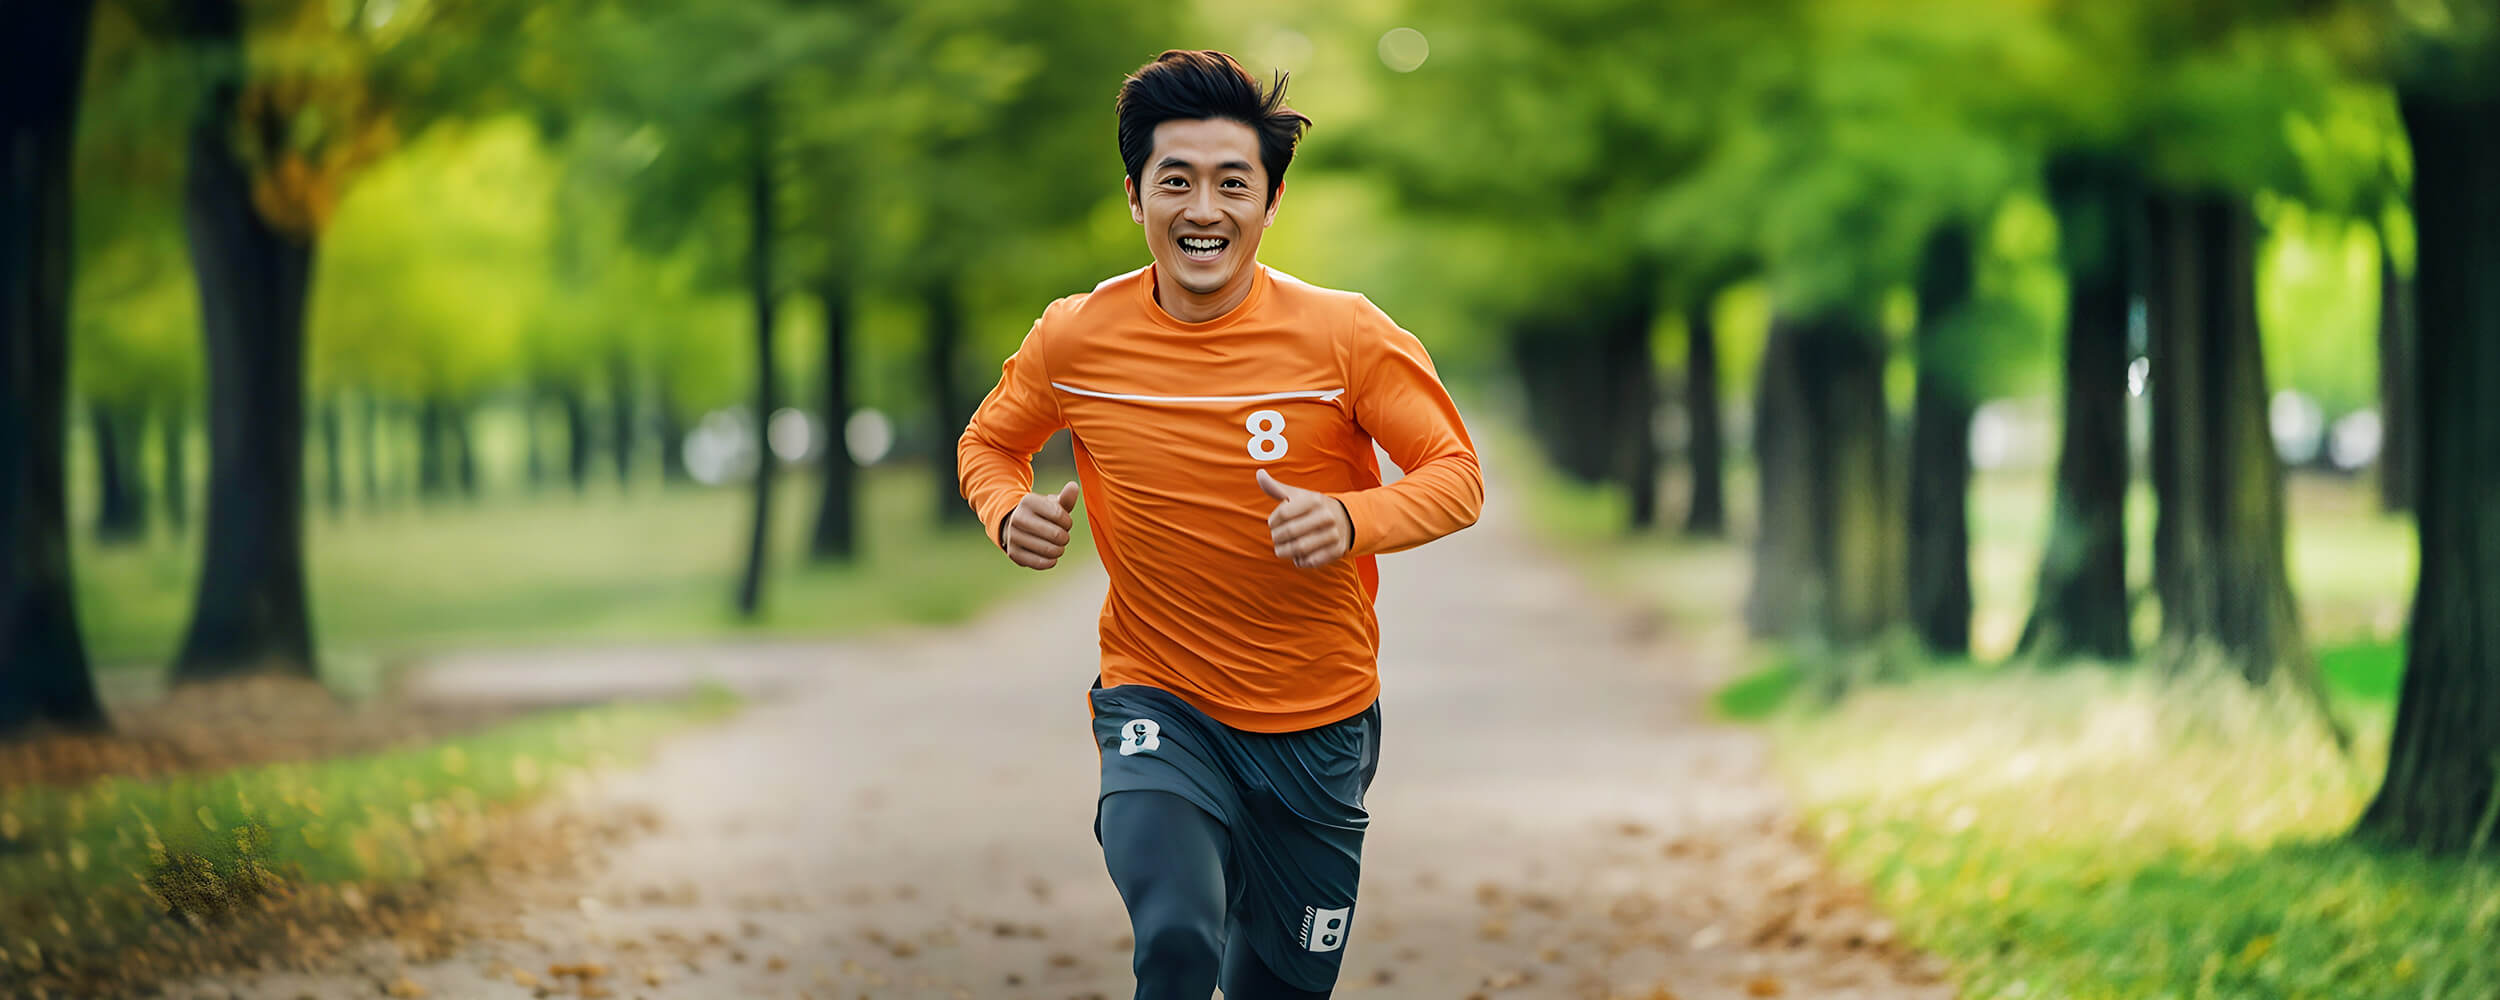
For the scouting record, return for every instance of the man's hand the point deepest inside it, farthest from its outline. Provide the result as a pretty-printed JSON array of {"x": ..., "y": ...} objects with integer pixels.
[
  {"x": 1036, "y": 533},
  {"x": 1311, "y": 529}
]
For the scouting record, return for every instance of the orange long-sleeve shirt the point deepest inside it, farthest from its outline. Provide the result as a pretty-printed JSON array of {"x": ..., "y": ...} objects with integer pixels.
[{"x": 1171, "y": 422}]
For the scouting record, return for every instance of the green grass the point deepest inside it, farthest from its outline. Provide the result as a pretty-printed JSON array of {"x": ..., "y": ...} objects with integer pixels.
[
  {"x": 556, "y": 568},
  {"x": 94, "y": 866},
  {"x": 2095, "y": 832}
]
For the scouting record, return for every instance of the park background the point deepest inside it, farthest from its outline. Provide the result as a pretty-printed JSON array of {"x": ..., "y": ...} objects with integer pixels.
[{"x": 2062, "y": 412}]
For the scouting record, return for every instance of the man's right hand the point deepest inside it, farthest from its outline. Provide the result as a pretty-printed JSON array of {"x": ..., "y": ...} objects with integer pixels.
[{"x": 1036, "y": 532}]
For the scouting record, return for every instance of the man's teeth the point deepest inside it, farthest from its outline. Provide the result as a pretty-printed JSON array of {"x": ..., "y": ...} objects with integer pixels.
[{"x": 1201, "y": 245}]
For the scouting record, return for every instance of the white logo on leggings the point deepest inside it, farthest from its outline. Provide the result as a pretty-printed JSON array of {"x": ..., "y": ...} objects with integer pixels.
[
  {"x": 1140, "y": 735},
  {"x": 1324, "y": 930}
]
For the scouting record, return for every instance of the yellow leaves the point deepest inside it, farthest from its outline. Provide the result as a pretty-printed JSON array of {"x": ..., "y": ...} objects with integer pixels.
[
  {"x": 207, "y": 818},
  {"x": 10, "y": 826},
  {"x": 2256, "y": 948},
  {"x": 405, "y": 988},
  {"x": 1764, "y": 986}
]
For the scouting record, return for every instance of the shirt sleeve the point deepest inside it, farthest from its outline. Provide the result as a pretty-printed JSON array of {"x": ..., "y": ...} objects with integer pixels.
[
  {"x": 994, "y": 458},
  {"x": 1400, "y": 402}
]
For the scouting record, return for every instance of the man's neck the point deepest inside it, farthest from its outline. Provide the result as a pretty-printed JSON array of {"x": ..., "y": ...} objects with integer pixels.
[{"x": 1180, "y": 305}]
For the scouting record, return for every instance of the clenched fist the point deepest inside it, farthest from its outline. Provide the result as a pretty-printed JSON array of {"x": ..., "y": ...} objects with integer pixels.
[
  {"x": 1311, "y": 529},
  {"x": 1036, "y": 532}
]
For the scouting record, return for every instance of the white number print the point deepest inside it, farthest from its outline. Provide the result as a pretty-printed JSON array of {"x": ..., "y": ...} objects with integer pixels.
[{"x": 1267, "y": 435}]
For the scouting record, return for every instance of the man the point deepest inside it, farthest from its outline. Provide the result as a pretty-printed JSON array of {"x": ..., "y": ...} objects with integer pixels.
[{"x": 1224, "y": 416}]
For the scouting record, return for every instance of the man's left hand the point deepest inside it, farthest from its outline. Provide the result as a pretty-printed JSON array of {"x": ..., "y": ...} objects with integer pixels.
[{"x": 1311, "y": 528}]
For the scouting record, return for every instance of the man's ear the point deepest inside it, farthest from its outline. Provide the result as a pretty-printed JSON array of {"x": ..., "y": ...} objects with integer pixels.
[
  {"x": 1273, "y": 203},
  {"x": 1136, "y": 210}
]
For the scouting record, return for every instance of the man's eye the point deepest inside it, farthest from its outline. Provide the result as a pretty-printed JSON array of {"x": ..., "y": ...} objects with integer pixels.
[
  {"x": 1234, "y": 182},
  {"x": 1174, "y": 181}
]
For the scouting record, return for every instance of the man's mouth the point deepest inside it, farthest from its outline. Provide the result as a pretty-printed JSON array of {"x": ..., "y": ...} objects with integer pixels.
[{"x": 1203, "y": 247}]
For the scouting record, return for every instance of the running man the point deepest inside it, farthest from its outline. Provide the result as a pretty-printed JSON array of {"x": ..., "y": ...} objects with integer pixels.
[{"x": 1224, "y": 416}]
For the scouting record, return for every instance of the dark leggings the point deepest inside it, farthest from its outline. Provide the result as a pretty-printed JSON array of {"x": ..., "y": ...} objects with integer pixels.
[{"x": 1168, "y": 858}]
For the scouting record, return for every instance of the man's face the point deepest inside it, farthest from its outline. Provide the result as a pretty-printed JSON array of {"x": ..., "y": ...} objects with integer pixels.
[{"x": 1203, "y": 200}]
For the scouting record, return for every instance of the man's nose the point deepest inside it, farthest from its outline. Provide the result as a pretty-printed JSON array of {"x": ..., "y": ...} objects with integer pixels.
[{"x": 1201, "y": 209}]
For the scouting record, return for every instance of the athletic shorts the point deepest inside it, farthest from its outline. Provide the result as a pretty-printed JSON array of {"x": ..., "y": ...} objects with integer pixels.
[{"x": 1292, "y": 802}]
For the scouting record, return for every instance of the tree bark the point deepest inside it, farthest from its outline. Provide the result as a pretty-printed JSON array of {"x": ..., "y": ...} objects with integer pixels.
[
  {"x": 464, "y": 457},
  {"x": 2081, "y": 607},
  {"x": 44, "y": 675},
  {"x": 121, "y": 515},
  {"x": 1785, "y": 598},
  {"x": 434, "y": 449},
  {"x": 760, "y": 277},
  {"x": 251, "y": 614},
  {"x": 2442, "y": 791},
  {"x": 576, "y": 438},
  {"x": 2218, "y": 546},
  {"x": 836, "y": 536},
  {"x": 672, "y": 431},
  {"x": 369, "y": 453},
  {"x": 1859, "y": 527},
  {"x": 333, "y": 464},
  {"x": 534, "y": 454},
  {"x": 1706, "y": 515},
  {"x": 1940, "y": 467},
  {"x": 2399, "y": 445},
  {"x": 945, "y": 396},
  {"x": 176, "y": 455},
  {"x": 1634, "y": 365},
  {"x": 621, "y": 416}
]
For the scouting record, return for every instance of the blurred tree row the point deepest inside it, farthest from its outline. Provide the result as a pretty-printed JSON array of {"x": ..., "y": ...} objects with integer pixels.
[
  {"x": 1597, "y": 169},
  {"x": 343, "y": 231}
]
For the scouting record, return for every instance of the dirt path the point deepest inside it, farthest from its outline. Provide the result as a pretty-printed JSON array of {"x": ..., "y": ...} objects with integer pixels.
[{"x": 909, "y": 817}]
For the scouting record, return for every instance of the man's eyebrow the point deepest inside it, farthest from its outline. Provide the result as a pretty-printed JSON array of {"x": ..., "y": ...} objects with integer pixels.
[{"x": 1170, "y": 162}]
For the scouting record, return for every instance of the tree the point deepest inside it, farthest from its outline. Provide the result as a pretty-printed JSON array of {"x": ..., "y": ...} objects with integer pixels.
[
  {"x": 2442, "y": 791},
  {"x": 2082, "y": 608},
  {"x": 1940, "y": 465},
  {"x": 43, "y": 660}
]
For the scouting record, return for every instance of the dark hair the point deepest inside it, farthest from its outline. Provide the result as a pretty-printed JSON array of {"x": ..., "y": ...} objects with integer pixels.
[{"x": 1182, "y": 85}]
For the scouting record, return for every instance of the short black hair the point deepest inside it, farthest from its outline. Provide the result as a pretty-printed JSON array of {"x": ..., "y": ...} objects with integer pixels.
[{"x": 1189, "y": 84}]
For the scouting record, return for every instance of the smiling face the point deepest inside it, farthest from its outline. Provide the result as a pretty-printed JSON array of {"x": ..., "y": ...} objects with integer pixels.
[{"x": 1202, "y": 198}]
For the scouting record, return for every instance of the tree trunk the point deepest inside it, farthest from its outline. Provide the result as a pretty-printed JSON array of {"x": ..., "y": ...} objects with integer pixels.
[
  {"x": 534, "y": 455},
  {"x": 2218, "y": 546},
  {"x": 1706, "y": 515},
  {"x": 2398, "y": 468},
  {"x": 576, "y": 438},
  {"x": 252, "y": 278},
  {"x": 621, "y": 415},
  {"x": 1858, "y": 523},
  {"x": 2442, "y": 791},
  {"x": 43, "y": 661},
  {"x": 760, "y": 278},
  {"x": 1940, "y": 470},
  {"x": 1785, "y": 598},
  {"x": 121, "y": 516},
  {"x": 369, "y": 453},
  {"x": 176, "y": 452},
  {"x": 2081, "y": 607},
  {"x": 434, "y": 445},
  {"x": 333, "y": 464},
  {"x": 945, "y": 395},
  {"x": 1634, "y": 365},
  {"x": 672, "y": 430},
  {"x": 464, "y": 456},
  {"x": 836, "y": 536}
]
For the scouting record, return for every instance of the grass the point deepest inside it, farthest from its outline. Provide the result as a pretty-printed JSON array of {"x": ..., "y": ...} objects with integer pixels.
[
  {"x": 556, "y": 568},
  {"x": 96, "y": 866},
  {"x": 2102, "y": 832}
]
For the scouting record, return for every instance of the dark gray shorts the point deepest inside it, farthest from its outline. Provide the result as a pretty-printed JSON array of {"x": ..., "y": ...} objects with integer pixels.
[{"x": 1292, "y": 802}]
